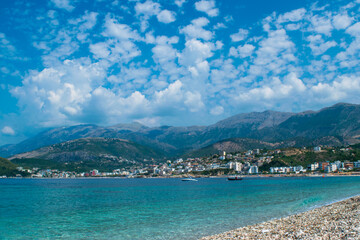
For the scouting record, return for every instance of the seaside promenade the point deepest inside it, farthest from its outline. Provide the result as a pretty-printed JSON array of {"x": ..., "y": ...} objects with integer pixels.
[{"x": 340, "y": 220}]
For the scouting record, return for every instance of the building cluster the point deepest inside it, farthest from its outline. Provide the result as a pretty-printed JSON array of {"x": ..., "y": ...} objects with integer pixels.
[
  {"x": 326, "y": 167},
  {"x": 334, "y": 166},
  {"x": 296, "y": 169},
  {"x": 247, "y": 162}
]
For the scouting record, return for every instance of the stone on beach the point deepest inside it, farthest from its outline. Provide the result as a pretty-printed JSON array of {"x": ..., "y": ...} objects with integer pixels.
[{"x": 340, "y": 220}]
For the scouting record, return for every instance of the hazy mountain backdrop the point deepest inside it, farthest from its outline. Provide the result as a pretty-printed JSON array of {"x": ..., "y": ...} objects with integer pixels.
[{"x": 335, "y": 125}]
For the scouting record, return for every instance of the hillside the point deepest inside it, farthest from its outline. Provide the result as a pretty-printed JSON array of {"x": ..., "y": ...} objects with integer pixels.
[
  {"x": 7, "y": 168},
  {"x": 338, "y": 120},
  {"x": 92, "y": 152},
  {"x": 234, "y": 145}
]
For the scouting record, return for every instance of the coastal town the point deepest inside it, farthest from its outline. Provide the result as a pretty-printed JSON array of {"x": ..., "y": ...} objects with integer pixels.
[{"x": 255, "y": 162}]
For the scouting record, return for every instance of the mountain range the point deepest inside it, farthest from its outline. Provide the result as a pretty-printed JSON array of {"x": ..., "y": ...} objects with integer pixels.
[{"x": 335, "y": 125}]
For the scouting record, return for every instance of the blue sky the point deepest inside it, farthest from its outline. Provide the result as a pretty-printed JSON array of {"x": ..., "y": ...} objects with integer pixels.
[{"x": 175, "y": 62}]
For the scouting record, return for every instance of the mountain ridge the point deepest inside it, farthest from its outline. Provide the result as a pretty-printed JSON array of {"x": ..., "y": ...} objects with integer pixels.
[{"x": 340, "y": 121}]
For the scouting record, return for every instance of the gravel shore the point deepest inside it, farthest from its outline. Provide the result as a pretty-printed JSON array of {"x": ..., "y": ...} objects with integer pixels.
[{"x": 340, "y": 220}]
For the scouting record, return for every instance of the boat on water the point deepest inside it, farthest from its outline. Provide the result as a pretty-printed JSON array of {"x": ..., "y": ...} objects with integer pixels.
[
  {"x": 231, "y": 178},
  {"x": 189, "y": 179}
]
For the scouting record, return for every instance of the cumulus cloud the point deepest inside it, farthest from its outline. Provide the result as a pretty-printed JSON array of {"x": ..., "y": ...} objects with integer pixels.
[
  {"x": 148, "y": 8},
  {"x": 58, "y": 93},
  {"x": 240, "y": 35},
  {"x": 242, "y": 51},
  {"x": 322, "y": 24},
  {"x": 63, "y": 4},
  {"x": 354, "y": 30},
  {"x": 293, "y": 16},
  {"x": 343, "y": 89},
  {"x": 118, "y": 30},
  {"x": 207, "y": 7},
  {"x": 196, "y": 29},
  {"x": 218, "y": 110},
  {"x": 166, "y": 16},
  {"x": 179, "y": 3},
  {"x": 318, "y": 45},
  {"x": 196, "y": 52},
  {"x": 275, "y": 55},
  {"x": 145, "y": 11},
  {"x": 8, "y": 131},
  {"x": 175, "y": 96},
  {"x": 342, "y": 21},
  {"x": 275, "y": 90}
]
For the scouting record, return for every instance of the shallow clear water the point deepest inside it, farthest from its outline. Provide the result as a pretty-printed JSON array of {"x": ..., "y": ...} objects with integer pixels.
[{"x": 155, "y": 208}]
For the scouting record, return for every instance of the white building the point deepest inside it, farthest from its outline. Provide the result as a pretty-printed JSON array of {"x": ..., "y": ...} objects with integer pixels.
[
  {"x": 331, "y": 168},
  {"x": 314, "y": 166},
  {"x": 253, "y": 170},
  {"x": 317, "y": 149}
]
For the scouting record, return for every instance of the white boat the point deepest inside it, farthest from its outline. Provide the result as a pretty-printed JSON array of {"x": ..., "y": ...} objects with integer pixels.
[{"x": 189, "y": 179}]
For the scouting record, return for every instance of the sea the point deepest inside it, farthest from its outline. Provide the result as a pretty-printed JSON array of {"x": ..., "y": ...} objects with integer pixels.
[{"x": 116, "y": 208}]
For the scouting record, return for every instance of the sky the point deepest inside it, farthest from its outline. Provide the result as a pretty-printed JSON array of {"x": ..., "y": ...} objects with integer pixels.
[{"x": 173, "y": 62}]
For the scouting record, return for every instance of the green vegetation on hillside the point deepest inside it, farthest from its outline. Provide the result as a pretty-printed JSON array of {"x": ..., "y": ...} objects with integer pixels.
[
  {"x": 330, "y": 155},
  {"x": 274, "y": 163},
  {"x": 7, "y": 168},
  {"x": 68, "y": 166}
]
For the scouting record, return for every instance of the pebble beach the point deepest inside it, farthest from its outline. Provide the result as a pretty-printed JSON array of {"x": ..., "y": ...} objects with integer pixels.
[{"x": 340, "y": 220}]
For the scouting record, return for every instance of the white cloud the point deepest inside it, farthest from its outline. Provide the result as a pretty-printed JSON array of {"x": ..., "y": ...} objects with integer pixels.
[
  {"x": 207, "y": 7},
  {"x": 196, "y": 30},
  {"x": 354, "y": 30},
  {"x": 275, "y": 90},
  {"x": 174, "y": 96},
  {"x": 164, "y": 53},
  {"x": 179, "y": 3},
  {"x": 218, "y": 110},
  {"x": 193, "y": 101},
  {"x": 145, "y": 11},
  {"x": 148, "y": 8},
  {"x": 54, "y": 94},
  {"x": 121, "y": 31},
  {"x": 120, "y": 46},
  {"x": 346, "y": 88},
  {"x": 63, "y": 4},
  {"x": 8, "y": 131},
  {"x": 293, "y": 16},
  {"x": 240, "y": 35},
  {"x": 86, "y": 22},
  {"x": 219, "y": 26},
  {"x": 242, "y": 51},
  {"x": 293, "y": 27},
  {"x": 342, "y": 21},
  {"x": 274, "y": 55},
  {"x": 321, "y": 24},
  {"x": 100, "y": 50},
  {"x": 196, "y": 52},
  {"x": 166, "y": 16},
  {"x": 318, "y": 45}
]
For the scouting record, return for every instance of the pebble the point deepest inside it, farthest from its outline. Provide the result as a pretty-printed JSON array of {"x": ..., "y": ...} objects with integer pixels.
[{"x": 339, "y": 220}]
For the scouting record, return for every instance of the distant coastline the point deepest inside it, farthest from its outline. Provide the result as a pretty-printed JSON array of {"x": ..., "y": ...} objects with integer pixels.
[
  {"x": 337, "y": 220},
  {"x": 352, "y": 174}
]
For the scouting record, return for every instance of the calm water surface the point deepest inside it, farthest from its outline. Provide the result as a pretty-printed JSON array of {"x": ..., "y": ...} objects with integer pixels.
[{"x": 155, "y": 208}]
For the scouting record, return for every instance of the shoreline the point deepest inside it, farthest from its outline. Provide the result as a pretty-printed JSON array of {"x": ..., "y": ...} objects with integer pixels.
[
  {"x": 337, "y": 220},
  {"x": 354, "y": 174}
]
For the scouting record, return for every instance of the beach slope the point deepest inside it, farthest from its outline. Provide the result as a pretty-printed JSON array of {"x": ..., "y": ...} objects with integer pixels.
[{"x": 340, "y": 220}]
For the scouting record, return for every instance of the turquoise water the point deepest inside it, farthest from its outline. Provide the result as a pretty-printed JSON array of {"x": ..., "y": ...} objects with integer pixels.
[{"x": 155, "y": 208}]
